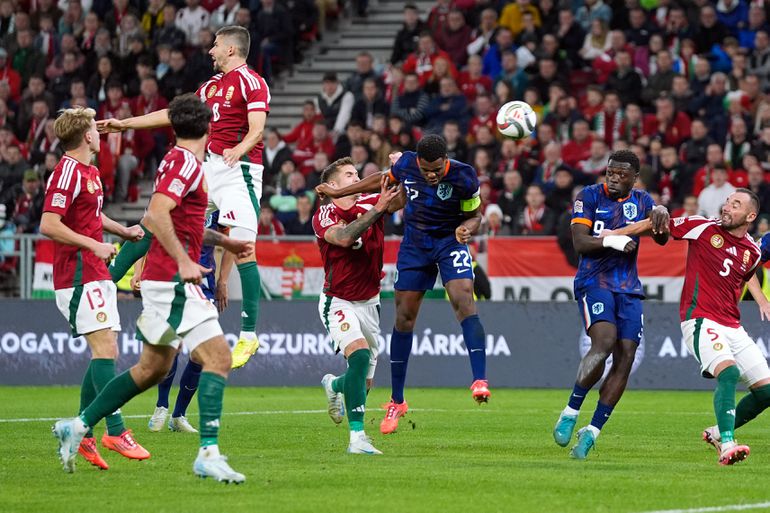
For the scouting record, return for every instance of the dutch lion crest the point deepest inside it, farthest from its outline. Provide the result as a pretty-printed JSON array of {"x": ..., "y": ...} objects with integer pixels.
[
  {"x": 444, "y": 191},
  {"x": 629, "y": 210}
]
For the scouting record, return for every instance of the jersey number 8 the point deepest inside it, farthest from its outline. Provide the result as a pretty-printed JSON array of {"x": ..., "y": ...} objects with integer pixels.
[{"x": 215, "y": 112}]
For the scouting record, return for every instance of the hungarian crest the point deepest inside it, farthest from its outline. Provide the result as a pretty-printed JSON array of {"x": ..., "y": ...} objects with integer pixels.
[
  {"x": 629, "y": 210},
  {"x": 444, "y": 191}
]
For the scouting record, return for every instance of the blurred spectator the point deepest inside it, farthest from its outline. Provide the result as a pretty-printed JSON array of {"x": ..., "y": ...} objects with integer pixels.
[
  {"x": 493, "y": 58},
  {"x": 36, "y": 130},
  {"x": 224, "y": 14},
  {"x": 120, "y": 9},
  {"x": 321, "y": 141},
  {"x": 570, "y": 35},
  {"x": 593, "y": 10},
  {"x": 545, "y": 174},
  {"x": 513, "y": 74},
  {"x": 547, "y": 74},
  {"x": 689, "y": 207},
  {"x": 12, "y": 168},
  {"x": 60, "y": 85},
  {"x": 710, "y": 105},
  {"x": 78, "y": 96},
  {"x": 712, "y": 198},
  {"x": 606, "y": 123},
  {"x": 407, "y": 37},
  {"x": 449, "y": 104},
  {"x": 511, "y": 198},
  {"x": 759, "y": 60},
  {"x": 640, "y": 28},
  {"x": 670, "y": 126},
  {"x": 485, "y": 139},
  {"x": 9, "y": 75},
  {"x": 596, "y": 42},
  {"x": 191, "y": 19},
  {"x": 354, "y": 135},
  {"x": 359, "y": 154},
  {"x": 559, "y": 198},
  {"x": 625, "y": 80},
  {"x": 150, "y": 100},
  {"x": 562, "y": 118},
  {"x": 199, "y": 62},
  {"x": 757, "y": 183},
  {"x": 28, "y": 208},
  {"x": 681, "y": 94},
  {"x": 737, "y": 144},
  {"x": 761, "y": 148},
  {"x": 482, "y": 35},
  {"x": 364, "y": 71},
  {"x": 334, "y": 103},
  {"x": 269, "y": 225},
  {"x": 243, "y": 19},
  {"x": 578, "y": 147},
  {"x": 710, "y": 31},
  {"x": 379, "y": 149},
  {"x": 456, "y": 147},
  {"x": 177, "y": 81},
  {"x": 27, "y": 60},
  {"x": 693, "y": 151},
  {"x": 702, "y": 177},
  {"x": 369, "y": 105},
  {"x": 595, "y": 165},
  {"x": 302, "y": 133},
  {"x": 421, "y": 60},
  {"x": 152, "y": 18},
  {"x": 442, "y": 68},
  {"x": 273, "y": 24},
  {"x": 410, "y": 106},
  {"x": 493, "y": 218},
  {"x": 660, "y": 81},
  {"x": 285, "y": 203},
  {"x": 535, "y": 218},
  {"x": 169, "y": 33},
  {"x": 733, "y": 13},
  {"x": 275, "y": 153},
  {"x": 454, "y": 37},
  {"x": 511, "y": 15},
  {"x": 757, "y": 23},
  {"x": 97, "y": 84},
  {"x": 301, "y": 223}
]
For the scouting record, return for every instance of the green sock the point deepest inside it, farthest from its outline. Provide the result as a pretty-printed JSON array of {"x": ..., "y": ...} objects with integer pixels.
[
  {"x": 251, "y": 288},
  {"x": 211, "y": 391},
  {"x": 115, "y": 394},
  {"x": 338, "y": 384},
  {"x": 87, "y": 394},
  {"x": 752, "y": 404},
  {"x": 129, "y": 253},
  {"x": 724, "y": 402},
  {"x": 355, "y": 388},
  {"x": 102, "y": 372}
]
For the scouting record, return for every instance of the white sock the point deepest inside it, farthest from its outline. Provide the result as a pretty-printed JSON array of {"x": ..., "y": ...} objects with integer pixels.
[
  {"x": 570, "y": 412},
  {"x": 247, "y": 335},
  {"x": 595, "y": 430},
  {"x": 355, "y": 435},
  {"x": 209, "y": 452},
  {"x": 80, "y": 427}
]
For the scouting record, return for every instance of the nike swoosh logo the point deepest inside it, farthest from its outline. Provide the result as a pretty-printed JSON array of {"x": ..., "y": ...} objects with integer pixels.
[
  {"x": 409, "y": 182},
  {"x": 602, "y": 211},
  {"x": 476, "y": 350}
]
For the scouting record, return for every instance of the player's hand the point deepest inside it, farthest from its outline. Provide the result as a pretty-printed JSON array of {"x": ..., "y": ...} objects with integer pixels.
[
  {"x": 387, "y": 194},
  {"x": 326, "y": 190},
  {"x": 240, "y": 248},
  {"x": 764, "y": 311},
  {"x": 659, "y": 218},
  {"x": 109, "y": 126},
  {"x": 134, "y": 233},
  {"x": 104, "y": 251},
  {"x": 622, "y": 243},
  {"x": 221, "y": 296},
  {"x": 136, "y": 282},
  {"x": 463, "y": 234},
  {"x": 231, "y": 156},
  {"x": 394, "y": 157},
  {"x": 192, "y": 272}
]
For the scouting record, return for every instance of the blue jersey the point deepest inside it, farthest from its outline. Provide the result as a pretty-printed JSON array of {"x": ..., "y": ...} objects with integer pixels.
[
  {"x": 208, "y": 285},
  {"x": 764, "y": 245},
  {"x": 609, "y": 269},
  {"x": 432, "y": 213}
]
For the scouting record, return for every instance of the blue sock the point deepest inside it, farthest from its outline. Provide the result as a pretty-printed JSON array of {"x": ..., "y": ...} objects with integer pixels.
[
  {"x": 577, "y": 397},
  {"x": 475, "y": 341},
  {"x": 164, "y": 387},
  {"x": 601, "y": 415},
  {"x": 188, "y": 384},
  {"x": 400, "y": 348}
]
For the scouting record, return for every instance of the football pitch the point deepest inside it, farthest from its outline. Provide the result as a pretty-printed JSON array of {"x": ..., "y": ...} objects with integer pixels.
[{"x": 448, "y": 455}]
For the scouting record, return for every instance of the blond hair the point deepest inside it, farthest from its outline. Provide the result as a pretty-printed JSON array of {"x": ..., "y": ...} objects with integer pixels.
[{"x": 72, "y": 125}]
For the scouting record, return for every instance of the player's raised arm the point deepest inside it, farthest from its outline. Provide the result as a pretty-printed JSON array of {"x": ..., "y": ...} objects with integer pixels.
[
  {"x": 240, "y": 248},
  {"x": 133, "y": 233},
  {"x": 368, "y": 185},
  {"x": 156, "y": 119}
]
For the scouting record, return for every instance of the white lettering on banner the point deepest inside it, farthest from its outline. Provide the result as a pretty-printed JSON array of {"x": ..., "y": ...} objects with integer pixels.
[
  {"x": 668, "y": 349},
  {"x": 28, "y": 343},
  {"x": 130, "y": 344}
]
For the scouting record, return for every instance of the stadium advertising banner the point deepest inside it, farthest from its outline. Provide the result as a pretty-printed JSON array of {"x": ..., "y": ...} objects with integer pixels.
[{"x": 534, "y": 345}]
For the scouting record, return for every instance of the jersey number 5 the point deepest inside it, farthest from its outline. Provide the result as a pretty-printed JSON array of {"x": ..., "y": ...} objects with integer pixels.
[{"x": 726, "y": 266}]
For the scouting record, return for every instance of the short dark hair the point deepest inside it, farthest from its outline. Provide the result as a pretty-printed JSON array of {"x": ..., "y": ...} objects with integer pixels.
[
  {"x": 431, "y": 147},
  {"x": 627, "y": 156},
  {"x": 753, "y": 196},
  {"x": 189, "y": 116},
  {"x": 330, "y": 171},
  {"x": 240, "y": 37}
]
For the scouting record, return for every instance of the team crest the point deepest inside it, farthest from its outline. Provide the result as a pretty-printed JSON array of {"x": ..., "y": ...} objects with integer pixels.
[
  {"x": 718, "y": 346},
  {"x": 444, "y": 191},
  {"x": 629, "y": 210},
  {"x": 344, "y": 326},
  {"x": 717, "y": 241},
  {"x": 90, "y": 186},
  {"x": 746, "y": 257},
  {"x": 597, "y": 308},
  {"x": 101, "y": 317},
  {"x": 578, "y": 208},
  {"x": 229, "y": 95},
  {"x": 212, "y": 91}
]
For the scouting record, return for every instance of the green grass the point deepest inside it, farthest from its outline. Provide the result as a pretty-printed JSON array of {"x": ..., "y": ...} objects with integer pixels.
[{"x": 448, "y": 455}]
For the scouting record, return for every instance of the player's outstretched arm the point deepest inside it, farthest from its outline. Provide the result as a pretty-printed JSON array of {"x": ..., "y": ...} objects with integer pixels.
[
  {"x": 156, "y": 119},
  {"x": 133, "y": 233},
  {"x": 368, "y": 185},
  {"x": 52, "y": 227},
  {"x": 158, "y": 221},
  {"x": 346, "y": 235},
  {"x": 762, "y": 302},
  {"x": 585, "y": 243},
  {"x": 240, "y": 248},
  {"x": 660, "y": 220}
]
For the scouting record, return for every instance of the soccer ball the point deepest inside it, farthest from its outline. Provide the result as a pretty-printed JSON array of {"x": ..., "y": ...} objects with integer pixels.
[{"x": 516, "y": 120}]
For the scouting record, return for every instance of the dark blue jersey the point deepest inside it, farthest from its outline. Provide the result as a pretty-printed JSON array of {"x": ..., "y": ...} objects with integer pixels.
[
  {"x": 764, "y": 245},
  {"x": 208, "y": 285},
  {"x": 433, "y": 213},
  {"x": 609, "y": 269}
]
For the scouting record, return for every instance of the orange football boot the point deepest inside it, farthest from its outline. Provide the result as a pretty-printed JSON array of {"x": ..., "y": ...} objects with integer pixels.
[
  {"x": 89, "y": 451},
  {"x": 480, "y": 391},
  {"x": 393, "y": 411},
  {"x": 125, "y": 445}
]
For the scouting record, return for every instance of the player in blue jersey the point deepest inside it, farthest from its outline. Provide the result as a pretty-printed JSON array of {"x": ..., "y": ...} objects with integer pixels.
[
  {"x": 608, "y": 291},
  {"x": 441, "y": 214}
]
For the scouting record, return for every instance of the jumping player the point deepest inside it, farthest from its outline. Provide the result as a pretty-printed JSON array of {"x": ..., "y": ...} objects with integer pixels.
[
  {"x": 441, "y": 214},
  {"x": 239, "y": 100},
  {"x": 721, "y": 258},
  {"x": 608, "y": 293},
  {"x": 174, "y": 305},
  {"x": 351, "y": 237},
  {"x": 85, "y": 294}
]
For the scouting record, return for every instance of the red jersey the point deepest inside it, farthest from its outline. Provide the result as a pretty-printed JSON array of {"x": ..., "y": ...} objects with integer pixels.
[
  {"x": 353, "y": 273},
  {"x": 179, "y": 177},
  {"x": 74, "y": 191},
  {"x": 718, "y": 265},
  {"x": 232, "y": 96}
]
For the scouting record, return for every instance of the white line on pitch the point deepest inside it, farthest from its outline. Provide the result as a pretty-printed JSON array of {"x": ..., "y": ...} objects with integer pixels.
[{"x": 728, "y": 507}]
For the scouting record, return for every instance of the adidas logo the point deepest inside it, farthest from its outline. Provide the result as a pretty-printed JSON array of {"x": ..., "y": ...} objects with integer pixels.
[
  {"x": 244, "y": 315},
  {"x": 213, "y": 423},
  {"x": 732, "y": 251},
  {"x": 230, "y": 215},
  {"x": 359, "y": 409}
]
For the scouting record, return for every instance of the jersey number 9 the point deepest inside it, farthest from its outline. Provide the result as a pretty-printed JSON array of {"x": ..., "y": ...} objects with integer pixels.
[{"x": 598, "y": 228}]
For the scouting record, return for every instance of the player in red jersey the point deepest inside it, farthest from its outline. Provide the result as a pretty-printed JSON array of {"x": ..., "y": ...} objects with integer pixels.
[
  {"x": 351, "y": 237},
  {"x": 239, "y": 100},
  {"x": 174, "y": 306},
  {"x": 721, "y": 258},
  {"x": 85, "y": 294}
]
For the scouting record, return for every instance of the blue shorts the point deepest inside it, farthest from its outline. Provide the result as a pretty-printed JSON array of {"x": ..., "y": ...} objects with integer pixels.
[
  {"x": 417, "y": 268},
  {"x": 622, "y": 310}
]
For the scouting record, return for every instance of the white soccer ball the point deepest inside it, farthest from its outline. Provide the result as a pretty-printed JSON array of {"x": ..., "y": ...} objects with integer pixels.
[{"x": 516, "y": 120}]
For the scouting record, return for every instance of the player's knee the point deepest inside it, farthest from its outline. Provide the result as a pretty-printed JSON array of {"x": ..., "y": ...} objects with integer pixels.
[{"x": 405, "y": 323}]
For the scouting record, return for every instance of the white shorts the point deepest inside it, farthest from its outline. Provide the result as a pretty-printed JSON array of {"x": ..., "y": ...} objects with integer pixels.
[
  {"x": 348, "y": 321},
  {"x": 173, "y": 311},
  {"x": 234, "y": 191},
  {"x": 90, "y": 307},
  {"x": 711, "y": 344}
]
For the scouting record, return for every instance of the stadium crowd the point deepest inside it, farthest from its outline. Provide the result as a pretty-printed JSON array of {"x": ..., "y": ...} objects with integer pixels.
[{"x": 683, "y": 85}]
